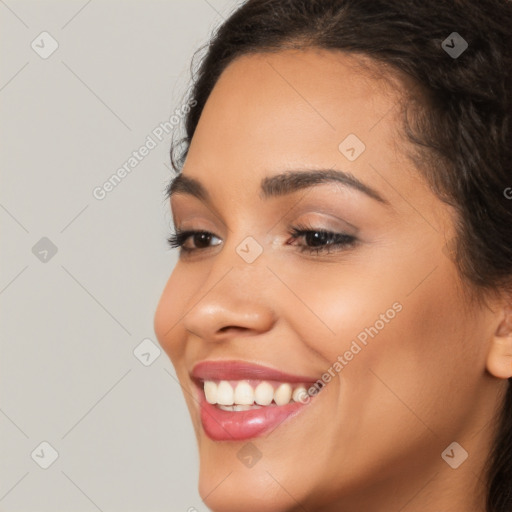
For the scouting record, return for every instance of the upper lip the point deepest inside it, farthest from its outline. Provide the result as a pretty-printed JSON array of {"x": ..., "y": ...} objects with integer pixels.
[{"x": 239, "y": 370}]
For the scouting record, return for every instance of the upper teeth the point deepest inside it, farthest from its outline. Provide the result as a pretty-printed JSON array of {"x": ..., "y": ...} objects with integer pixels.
[{"x": 223, "y": 393}]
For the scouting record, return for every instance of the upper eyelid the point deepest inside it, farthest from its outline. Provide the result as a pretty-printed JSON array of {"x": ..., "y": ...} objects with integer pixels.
[
  {"x": 287, "y": 220},
  {"x": 211, "y": 210}
]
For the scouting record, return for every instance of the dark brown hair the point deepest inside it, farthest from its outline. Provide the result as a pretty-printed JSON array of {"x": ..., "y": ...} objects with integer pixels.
[{"x": 461, "y": 130}]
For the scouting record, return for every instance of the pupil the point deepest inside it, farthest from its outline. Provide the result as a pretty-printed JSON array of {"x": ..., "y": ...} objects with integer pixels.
[
  {"x": 319, "y": 239},
  {"x": 201, "y": 240}
]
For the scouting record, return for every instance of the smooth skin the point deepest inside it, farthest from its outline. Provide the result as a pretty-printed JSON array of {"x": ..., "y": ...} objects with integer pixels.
[{"x": 372, "y": 439}]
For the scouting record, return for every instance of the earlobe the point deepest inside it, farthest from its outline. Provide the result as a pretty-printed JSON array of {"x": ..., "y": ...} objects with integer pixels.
[{"x": 499, "y": 359}]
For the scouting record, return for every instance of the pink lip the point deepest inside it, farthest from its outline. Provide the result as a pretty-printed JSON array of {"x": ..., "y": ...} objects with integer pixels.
[
  {"x": 222, "y": 425},
  {"x": 238, "y": 370}
]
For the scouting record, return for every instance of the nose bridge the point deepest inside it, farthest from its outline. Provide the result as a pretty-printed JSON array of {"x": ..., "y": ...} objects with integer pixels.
[
  {"x": 243, "y": 260},
  {"x": 235, "y": 294}
]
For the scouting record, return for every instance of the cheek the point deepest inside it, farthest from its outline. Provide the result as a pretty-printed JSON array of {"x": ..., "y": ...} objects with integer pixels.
[
  {"x": 169, "y": 314},
  {"x": 391, "y": 338},
  {"x": 336, "y": 307},
  {"x": 421, "y": 371}
]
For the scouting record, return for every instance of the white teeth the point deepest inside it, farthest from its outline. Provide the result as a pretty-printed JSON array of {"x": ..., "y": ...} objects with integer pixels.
[
  {"x": 244, "y": 394},
  {"x": 225, "y": 395},
  {"x": 299, "y": 394},
  {"x": 244, "y": 397},
  {"x": 283, "y": 394},
  {"x": 264, "y": 393},
  {"x": 210, "y": 390},
  {"x": 238, "y": 407}
]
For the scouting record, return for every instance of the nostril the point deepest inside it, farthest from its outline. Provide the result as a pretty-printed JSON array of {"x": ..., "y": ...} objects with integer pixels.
[{"x": 224, "y": 329}]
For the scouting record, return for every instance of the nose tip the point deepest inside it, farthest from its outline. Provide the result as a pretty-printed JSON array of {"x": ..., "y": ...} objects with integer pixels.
[{"x": 235, "y": 304}]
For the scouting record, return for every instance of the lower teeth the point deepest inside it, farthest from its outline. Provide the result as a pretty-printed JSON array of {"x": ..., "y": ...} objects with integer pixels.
[
  {"x": 238, "y": 407},
  {"x": 243, "y": 407}
]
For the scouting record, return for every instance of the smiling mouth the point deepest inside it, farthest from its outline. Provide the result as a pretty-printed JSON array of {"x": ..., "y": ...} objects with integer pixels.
[{"x": 241, "y": 400}]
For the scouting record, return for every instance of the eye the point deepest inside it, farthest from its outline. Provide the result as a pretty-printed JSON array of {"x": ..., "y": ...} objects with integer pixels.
[
  {"x": 201, "y": 240},
  {"x": 320, "y": 240},
  {"x": 317, "y": 240}
]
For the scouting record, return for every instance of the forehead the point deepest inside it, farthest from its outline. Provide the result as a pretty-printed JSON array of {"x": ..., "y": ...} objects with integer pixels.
[{"x": 292, "y": 109}]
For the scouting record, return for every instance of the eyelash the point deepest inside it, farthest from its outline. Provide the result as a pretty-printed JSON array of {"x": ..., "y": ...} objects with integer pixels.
[{"x": 337, "y": 240}]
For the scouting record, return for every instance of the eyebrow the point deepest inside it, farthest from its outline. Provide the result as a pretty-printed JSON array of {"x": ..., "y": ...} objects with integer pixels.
[{"x": 280, "y": 184}]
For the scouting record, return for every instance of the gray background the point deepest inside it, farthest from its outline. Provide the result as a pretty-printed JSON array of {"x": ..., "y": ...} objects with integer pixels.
[{"x": 70, "y": 322}]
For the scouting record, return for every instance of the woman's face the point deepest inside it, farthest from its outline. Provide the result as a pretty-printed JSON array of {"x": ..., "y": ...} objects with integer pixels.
[{"x": 374, "y": 311}]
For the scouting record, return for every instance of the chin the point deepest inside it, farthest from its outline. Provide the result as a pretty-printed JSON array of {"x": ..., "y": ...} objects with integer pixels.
[{"x": 247, "y": 490}]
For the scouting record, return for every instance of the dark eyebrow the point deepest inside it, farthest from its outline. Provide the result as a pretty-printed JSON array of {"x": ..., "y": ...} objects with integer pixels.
[
  {"x": 184, "y": 185},
  {"x": 280, "y": 184},
  {"x": 291, "y": 181}
]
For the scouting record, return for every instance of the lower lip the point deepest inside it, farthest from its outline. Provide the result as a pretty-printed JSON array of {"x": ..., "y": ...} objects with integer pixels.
[{"x": 221, "y": 425}]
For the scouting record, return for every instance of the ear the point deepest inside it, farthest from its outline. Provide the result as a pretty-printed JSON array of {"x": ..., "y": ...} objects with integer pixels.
[{"x": 499, "y": 358}]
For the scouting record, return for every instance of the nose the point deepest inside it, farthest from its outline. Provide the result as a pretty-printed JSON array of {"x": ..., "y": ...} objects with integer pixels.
[{"x": 234, "y": 302}]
